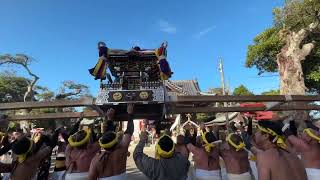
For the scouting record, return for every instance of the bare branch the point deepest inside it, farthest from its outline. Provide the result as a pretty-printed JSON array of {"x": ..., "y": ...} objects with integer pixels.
[{"x": 24, "y": 61}]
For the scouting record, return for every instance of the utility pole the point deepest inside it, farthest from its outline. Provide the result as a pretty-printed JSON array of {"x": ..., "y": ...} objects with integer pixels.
[{"x": 221, "y": 70}]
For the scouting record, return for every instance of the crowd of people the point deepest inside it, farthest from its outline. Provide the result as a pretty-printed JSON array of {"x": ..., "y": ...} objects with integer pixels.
[{"x": 272, "y": 150}]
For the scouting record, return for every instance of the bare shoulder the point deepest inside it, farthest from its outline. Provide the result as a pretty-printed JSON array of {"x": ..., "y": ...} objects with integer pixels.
[
  {"x": 265, "y": 155},
  {"x": 95, "y": 147}
]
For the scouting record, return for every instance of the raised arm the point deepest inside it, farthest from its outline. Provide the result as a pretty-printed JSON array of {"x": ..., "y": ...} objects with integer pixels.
[
  {"x": 75, "y": 127},
  {"x": 144, "y": 163},
  {"x": 93, "y": 171},
  {"x": 43, "y": 153},
  {"x": 130, "y": 127},
  {"x": 264, "y": 172},
  {"x": 109, "y": 126},
  {"x": 189, "y": 145},
  {"x": 298, "y": 144}
]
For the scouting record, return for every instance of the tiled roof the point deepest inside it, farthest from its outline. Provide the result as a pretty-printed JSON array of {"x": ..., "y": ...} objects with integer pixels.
[{"x": 183, "y": 87}]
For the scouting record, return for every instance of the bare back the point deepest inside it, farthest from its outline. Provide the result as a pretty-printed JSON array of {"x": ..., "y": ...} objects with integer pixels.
[
  {"x": 78, "y": 160},
  {"x": 311, "y": 157},
  {"x": 203, "y": 160},
  {"x": 276, "y": 164},
  {"x": 310, "y": 152},
  {"x": 182, "y": 149},
  {"x": 28, "y": 169},
  {"x": 111, "y": 163},
  {"x": 236, "y": 162}
]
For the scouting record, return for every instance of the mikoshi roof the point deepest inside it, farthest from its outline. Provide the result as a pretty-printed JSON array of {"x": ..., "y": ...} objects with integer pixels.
[{"x": 183, "y": 87}]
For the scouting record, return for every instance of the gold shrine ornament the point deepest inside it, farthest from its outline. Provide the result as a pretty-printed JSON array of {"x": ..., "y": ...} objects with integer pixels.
[
  {"x": 117, "y": 96},
  {"x": 144, "y": 95}
]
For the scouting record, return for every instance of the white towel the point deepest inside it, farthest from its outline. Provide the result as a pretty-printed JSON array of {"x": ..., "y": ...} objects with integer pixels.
[
  {"x": 59, "y": 175},
  {"x": 205, "y": 175},
  {"x": 243, "y": 176},
  {"x": 122, "y": 176},
  {"x": 77, "y": 176},
  {"x": 313, "y": 174}
]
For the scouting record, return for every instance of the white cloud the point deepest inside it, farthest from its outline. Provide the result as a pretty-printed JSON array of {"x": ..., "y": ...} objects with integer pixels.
[
  {"x": 166, "y": 27},
  {"x": 204, "y": 32}
]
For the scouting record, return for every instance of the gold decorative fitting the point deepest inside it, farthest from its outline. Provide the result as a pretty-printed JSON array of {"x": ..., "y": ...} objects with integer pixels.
[
  {"x": 144, "y": 95},
  {"x": 117, "y": 96}
]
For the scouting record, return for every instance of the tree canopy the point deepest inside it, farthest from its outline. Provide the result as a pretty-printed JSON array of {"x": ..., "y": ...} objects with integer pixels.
[
  {"x": 295, "y": 15},
  {"x": 271, "y": 92},
  {"x": 12, "y": 88},
  {"x": 242, "y": 91}
]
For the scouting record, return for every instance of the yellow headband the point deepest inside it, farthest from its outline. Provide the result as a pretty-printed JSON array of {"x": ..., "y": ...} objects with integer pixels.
[
  {"x": 163, "y": 153},
  {"x": 237, "y": 147},
  {"x": 82, "y": 142},
  {"x": 23, "y": 157},
  {"x": 208, "y": 146},
  {"x": 109, "y": 144},
  {"x": 310, "y": 133},
  {"x": 278, "y": 139}
]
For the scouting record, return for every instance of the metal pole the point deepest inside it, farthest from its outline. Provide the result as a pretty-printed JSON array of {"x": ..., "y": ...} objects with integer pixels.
[{"x": 223, "y": 90}]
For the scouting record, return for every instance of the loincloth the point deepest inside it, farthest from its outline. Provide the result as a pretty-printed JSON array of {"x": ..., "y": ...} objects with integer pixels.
[
  {"x": 122, "y": 176},
  {"x": 205, "y": 174},
  {"x": 77, "y": 176},
  {"x": 58, "y": 175},
  {"x": 254, "y": 170},
  {"x": 243, "y": 176},
  {"x": 313, "y": 173}
]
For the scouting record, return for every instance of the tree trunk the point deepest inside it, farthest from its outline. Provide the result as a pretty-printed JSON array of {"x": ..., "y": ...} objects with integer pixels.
[{"x": 290, "y": 69}]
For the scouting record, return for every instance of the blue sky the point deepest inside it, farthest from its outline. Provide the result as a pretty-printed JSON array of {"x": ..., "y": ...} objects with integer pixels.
[{"x": 62, "y": 35}]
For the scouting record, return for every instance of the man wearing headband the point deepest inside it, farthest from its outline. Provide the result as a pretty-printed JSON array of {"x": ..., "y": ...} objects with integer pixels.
[
  {"x": 81, "y": 149},
  {"x": 28, "y": 159},
  {"x": 308, "y": 144},
  {"x": 110, "y": 163},
  {"x": 235, "y": 158},
  {"x": 170, "y": 165},
  {"x": 275, "y": 162},
  {"x": 60, "y": 162},
  {"x": 206, "y": 157}
]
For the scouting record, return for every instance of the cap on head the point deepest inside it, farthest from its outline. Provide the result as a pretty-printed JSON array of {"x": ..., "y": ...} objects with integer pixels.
[
  {"x": 274, "y": 130},
  {"x": 22, "y": 147},
  {"x": 80, "y": 138},
  {"x": 165, "y": 147},
  {"x": 235, "y": 141},
  {"x": 275, "y": 127},
  {"x": 208, "y": 138},
  {"x": 108, "y": 140}
]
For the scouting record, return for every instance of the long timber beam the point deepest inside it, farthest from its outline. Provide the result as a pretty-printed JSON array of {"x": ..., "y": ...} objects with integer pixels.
[
  {"x": 47, "y": 104},
  {"x": 68, "y": 115},
  {"x": 177, "y": 110},
  {"x": 47, "y": 116},
  {"x": 172, "y": 100},
  {"x": 257, "y": 98}
]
